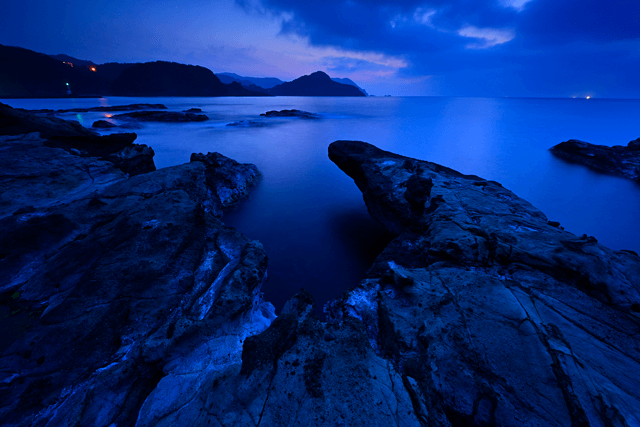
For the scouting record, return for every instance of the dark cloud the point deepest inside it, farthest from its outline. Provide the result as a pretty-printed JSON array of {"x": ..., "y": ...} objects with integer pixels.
[{"x": 535, "y": 47}]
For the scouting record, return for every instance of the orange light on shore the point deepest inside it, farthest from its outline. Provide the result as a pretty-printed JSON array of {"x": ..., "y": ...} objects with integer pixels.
[{"x": 93, "y": 69}]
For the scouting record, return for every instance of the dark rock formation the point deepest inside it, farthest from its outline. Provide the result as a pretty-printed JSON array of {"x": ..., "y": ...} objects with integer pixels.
[
  {"x": 103, "y": 124},
  {"x": 126, "y": 301},
  {"x": 315, "y": 84},
  {"x": 120, "y": 298},
  {"x": 291, "y": 113},
  {"x": 193, "y": 110},
  {"x": 617, "y": 160},
  {"x": 491, "y": 314},
  {"x": 162, "y": 116},
  {"x": 119, "y": 148}
]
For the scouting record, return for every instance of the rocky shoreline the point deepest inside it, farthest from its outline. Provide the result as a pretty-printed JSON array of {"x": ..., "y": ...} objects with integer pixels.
[
  {"x": 617, "y": 160},
  {"x": 125, "y": 300}
]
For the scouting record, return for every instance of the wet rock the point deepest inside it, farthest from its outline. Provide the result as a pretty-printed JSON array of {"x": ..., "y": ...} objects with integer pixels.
[
  {"x": 617, "y": 160},
  {"x": 291, "y": 113},
  {"x": 121, "y": 298},
  {"x": 117, "y": 148},
  {"x": 508, "y": 319},
  {"x": 247, "y": 124},
  {"x": 193, "y": 110},
  {"x": 103, "y": 124},
  {"x": 162, "y": 116}
]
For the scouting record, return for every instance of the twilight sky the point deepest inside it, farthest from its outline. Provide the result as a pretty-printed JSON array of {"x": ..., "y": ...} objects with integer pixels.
[{"x": 540, "y": 48}]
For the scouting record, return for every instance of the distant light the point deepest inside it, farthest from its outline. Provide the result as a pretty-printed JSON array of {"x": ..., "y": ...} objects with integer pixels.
[
  {"x": 67, "y": 84},
  {"x": 588, "y": 97},
  {"x": 93, "y": 69}
]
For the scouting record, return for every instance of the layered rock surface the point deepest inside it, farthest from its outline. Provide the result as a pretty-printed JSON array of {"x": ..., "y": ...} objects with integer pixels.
[
  {"x": 496, "y": 315},
  {"x": 126, "y": 301},
  {"x": 481, "y": 312},
  {"x": 119, "y": 293},
  {"x": 617, "y": 160}
]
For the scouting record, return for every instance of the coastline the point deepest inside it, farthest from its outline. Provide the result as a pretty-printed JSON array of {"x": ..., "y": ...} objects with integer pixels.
[{"x": 161, "y": 302}]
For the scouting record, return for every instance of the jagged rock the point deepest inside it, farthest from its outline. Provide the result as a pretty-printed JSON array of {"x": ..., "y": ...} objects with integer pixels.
[
  {"x": 478, "y": 313},
  {"x": 121, "y": 298},
  {"x": 617, "y": 160},
  {"x": 103, "y": 124},
  {"x": 507, "y": 319},
  {"x": 162, "y": 116},
  {"x": 291, "y": 113},
  {"x": 117, "y": 148},
  {"x": 291, "y": 374},
  {"x": 193, "y": 110}
]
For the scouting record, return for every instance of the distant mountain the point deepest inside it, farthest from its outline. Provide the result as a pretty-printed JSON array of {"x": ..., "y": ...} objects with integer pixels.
[
  {"x": 162, "y": 78},
  {"x": 263, "y": 82},
  {"x": 112, "y": 70},
  {"x": 315, "y": 84},
  {"x": 73, "y": 61},
  {"x": 348, "y": 82},
  {"x": 28, "y": 74}
]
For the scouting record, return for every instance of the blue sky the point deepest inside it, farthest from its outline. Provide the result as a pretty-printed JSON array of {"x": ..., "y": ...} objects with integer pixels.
[{"x": 539, "y": 48}]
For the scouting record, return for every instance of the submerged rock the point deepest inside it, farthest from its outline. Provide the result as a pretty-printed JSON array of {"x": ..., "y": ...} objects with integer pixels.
[
  {"x": 617, "y": 160},
  {"x": 291, "y": 113},
  {"x": 247, "y": 124},
  {"x": 162, "y": 116},
  {"x": 103, "y": 124}
]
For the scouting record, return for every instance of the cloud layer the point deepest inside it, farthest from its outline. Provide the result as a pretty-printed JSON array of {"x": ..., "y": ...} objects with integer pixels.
[{"x": 484, "y": 48}]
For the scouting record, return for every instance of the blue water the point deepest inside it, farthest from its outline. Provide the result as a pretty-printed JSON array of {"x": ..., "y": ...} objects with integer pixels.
[{"x": 311, "y": 217}]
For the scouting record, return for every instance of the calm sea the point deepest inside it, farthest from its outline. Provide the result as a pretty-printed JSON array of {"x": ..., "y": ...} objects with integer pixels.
[{"x": 310, "y": 216}]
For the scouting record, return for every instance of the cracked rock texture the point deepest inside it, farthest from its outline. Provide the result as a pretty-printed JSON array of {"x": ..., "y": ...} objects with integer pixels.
[
  {"x": 617, "y": 160},
  {"x": 481, "y": 312},
  {"x": 124, "y": 300},
  {"x": 121, "y": 298},
  {"x": 495, "y": 315}
]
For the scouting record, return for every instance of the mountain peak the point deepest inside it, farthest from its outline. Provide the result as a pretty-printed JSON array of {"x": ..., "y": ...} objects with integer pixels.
[{"x": 320, "y": 75}]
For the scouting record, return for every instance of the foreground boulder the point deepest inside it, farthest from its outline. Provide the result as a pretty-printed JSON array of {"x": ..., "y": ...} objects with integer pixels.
[
  {"x": 494, "y": 315},
  {"x": 120, "y": 297},
  {"x": 617, "y": 160}
]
